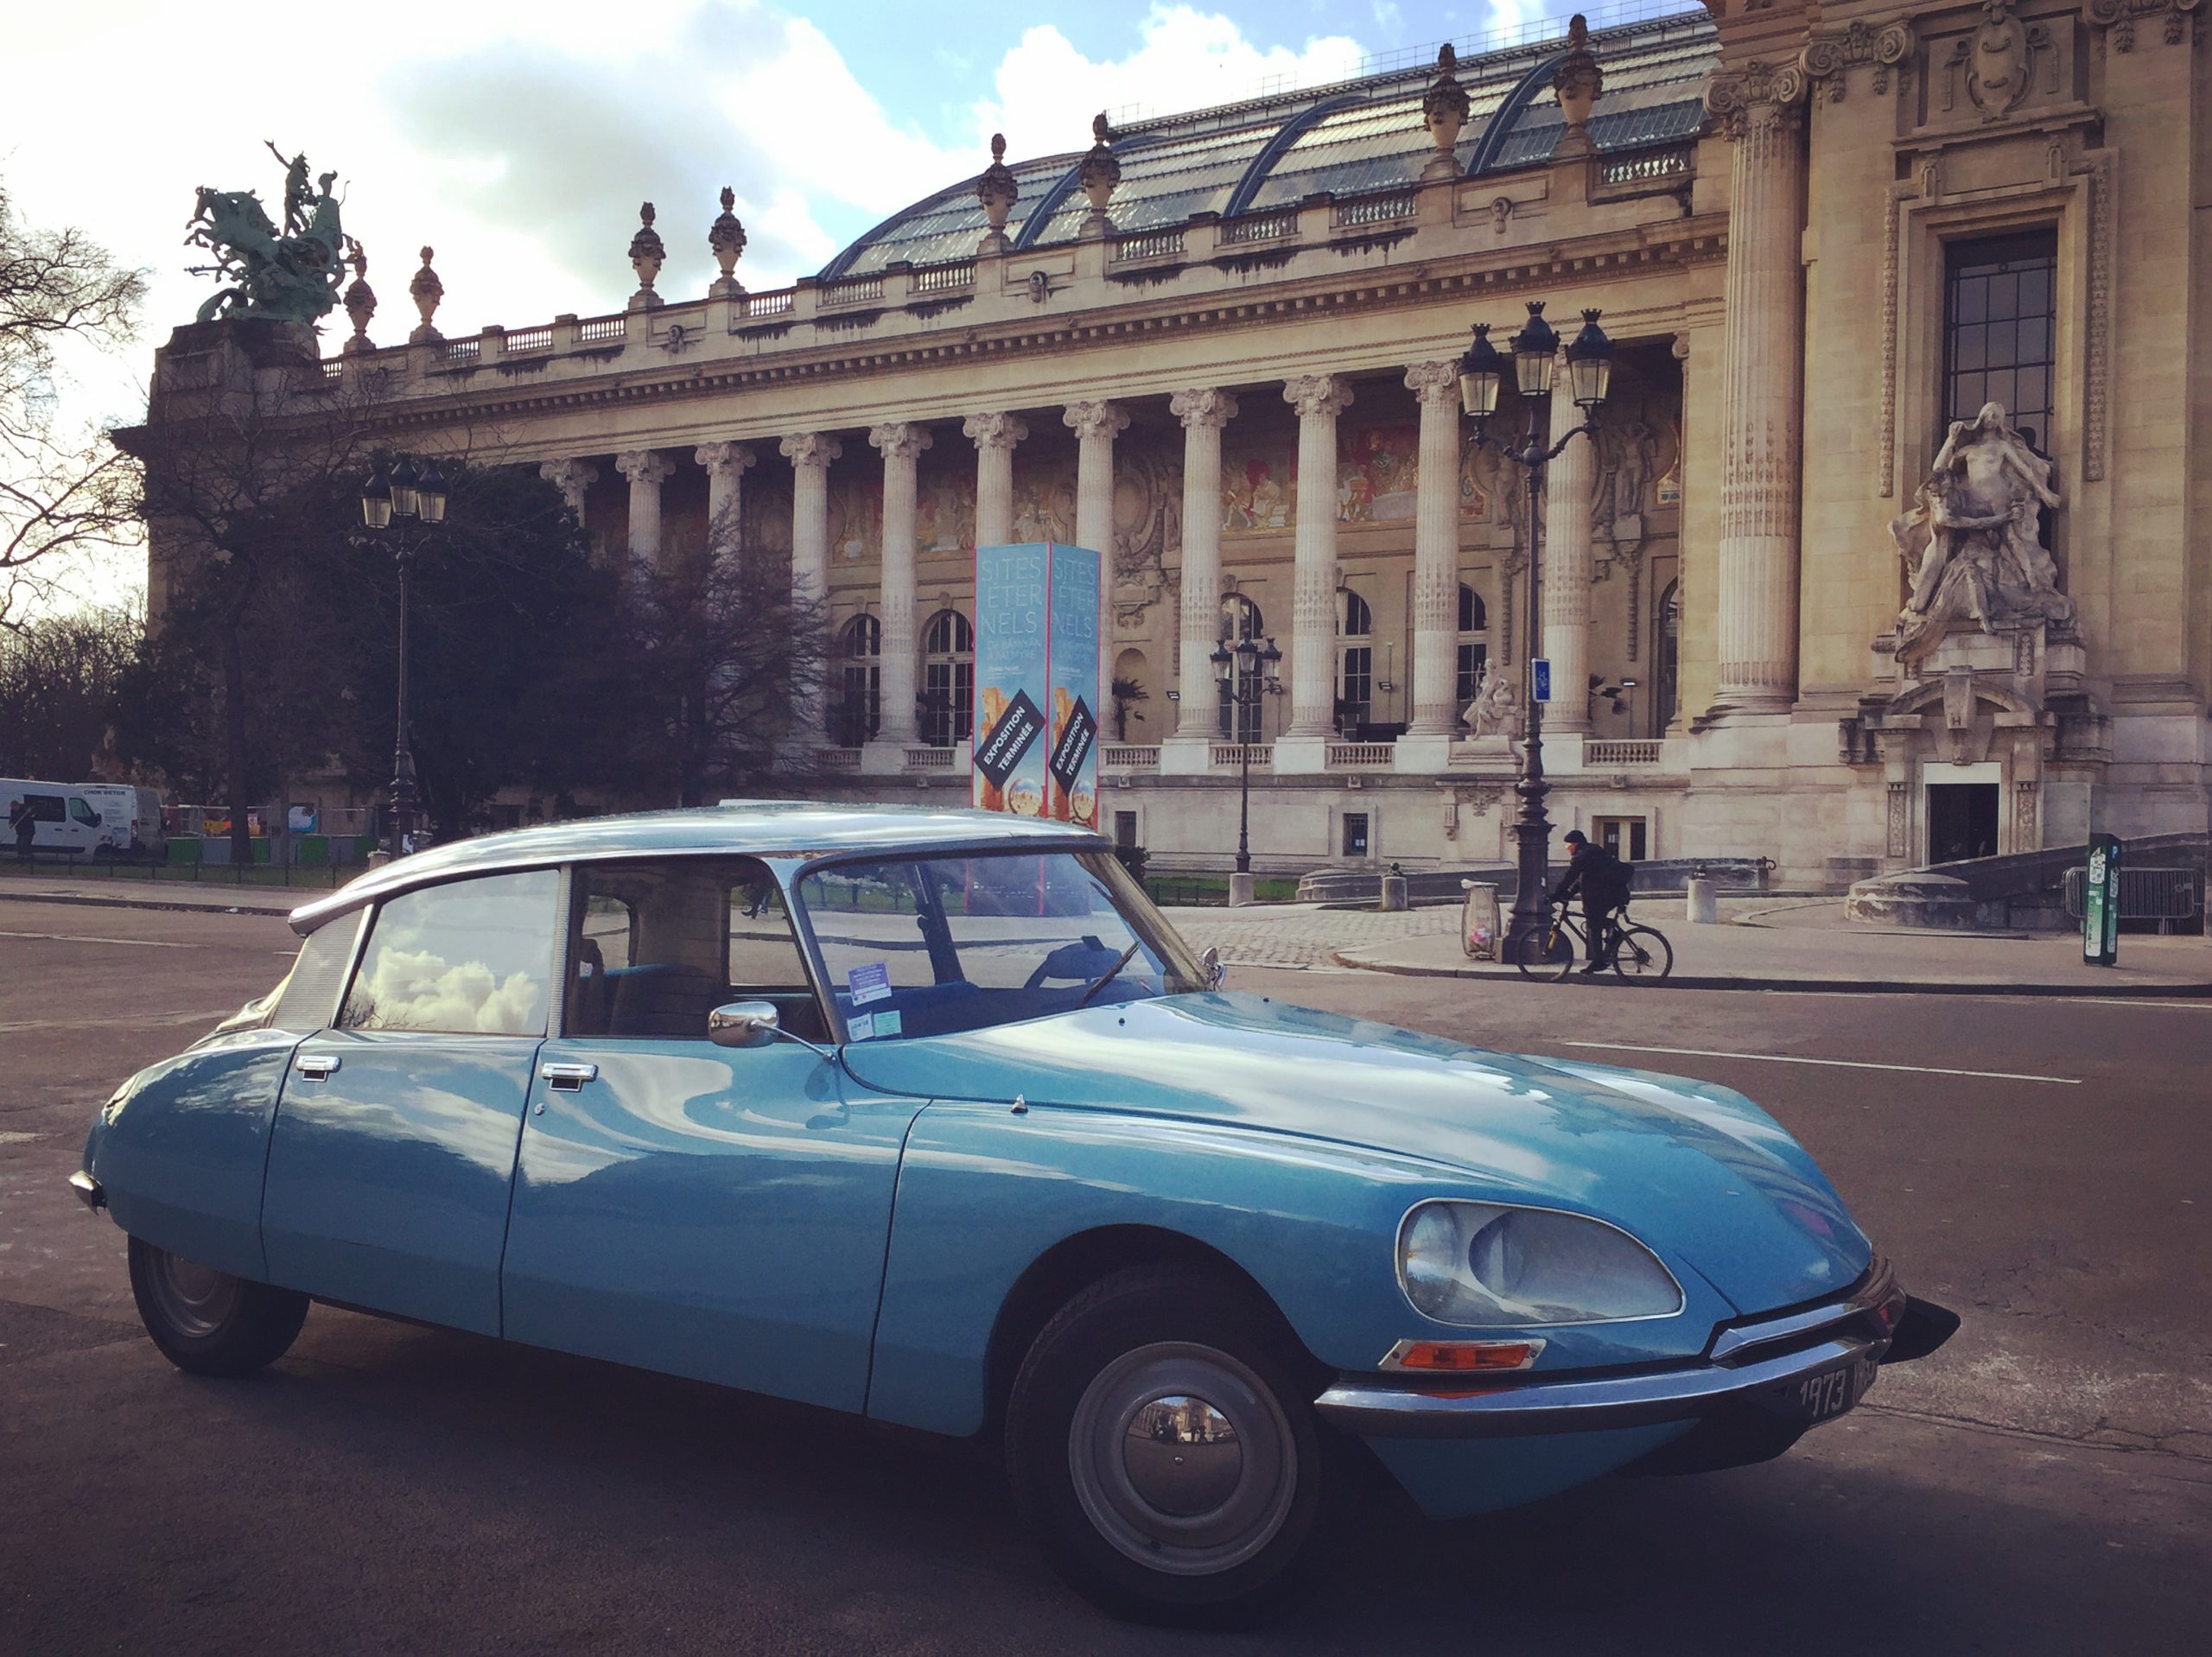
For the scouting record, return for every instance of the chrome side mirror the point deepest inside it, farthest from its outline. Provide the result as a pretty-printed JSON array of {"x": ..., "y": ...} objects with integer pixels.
[
  {"x": 743, "y": 1024},
  {"x": 1209, "y": 958}
]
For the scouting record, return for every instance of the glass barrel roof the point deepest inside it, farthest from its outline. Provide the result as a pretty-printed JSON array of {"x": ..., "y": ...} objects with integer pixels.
[{"x": 1350, "y": 139}]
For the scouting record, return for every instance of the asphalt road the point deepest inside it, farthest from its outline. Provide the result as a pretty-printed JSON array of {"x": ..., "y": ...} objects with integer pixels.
[{"x": 2044, "y": 1483}]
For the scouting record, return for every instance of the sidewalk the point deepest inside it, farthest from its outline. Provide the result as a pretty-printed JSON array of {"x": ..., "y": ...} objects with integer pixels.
[
  {"x": 1806, "y": 944},
  {"x": 133, "y": 891}
]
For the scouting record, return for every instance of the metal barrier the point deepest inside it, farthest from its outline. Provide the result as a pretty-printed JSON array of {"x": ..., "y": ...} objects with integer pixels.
[{"x": 2145, "y": 894}]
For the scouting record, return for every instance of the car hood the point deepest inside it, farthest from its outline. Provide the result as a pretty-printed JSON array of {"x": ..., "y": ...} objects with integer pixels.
[{"x": 1698, "y": 1173}]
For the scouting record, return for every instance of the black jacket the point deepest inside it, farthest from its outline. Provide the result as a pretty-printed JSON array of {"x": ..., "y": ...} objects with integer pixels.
[{"x": 1600, "y": 876}]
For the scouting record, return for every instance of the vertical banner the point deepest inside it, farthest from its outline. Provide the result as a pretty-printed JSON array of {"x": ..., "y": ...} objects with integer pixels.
[
  {"x": 1036, "y": 749},
  {"x": 1072, "y": 652},
  {"x": 2101, "y": 903}
]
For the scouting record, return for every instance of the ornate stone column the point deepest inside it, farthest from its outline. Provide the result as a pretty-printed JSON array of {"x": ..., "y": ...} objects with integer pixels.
[
  {"x": 901, "y": 443},
  {"x": 573, "y": 479},
  {"x": 646, "y": 472},
  {"x": 995, "y": 437},
  {"x": 1761, "y": 108},
  {"x": 1319, "y": 398},
  {"x": 809, "y": 454},
  {"x": 1203, "y": 412},
  {"x": 726, "y": 465},
  {"x": 1096, "y": 425},
  {"x": 1436, "y": 551},
  {"x": 1569, "y": 481}
]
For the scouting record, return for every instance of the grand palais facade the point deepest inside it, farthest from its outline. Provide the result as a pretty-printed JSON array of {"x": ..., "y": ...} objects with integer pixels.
[{"x": 1221, "y": 347}]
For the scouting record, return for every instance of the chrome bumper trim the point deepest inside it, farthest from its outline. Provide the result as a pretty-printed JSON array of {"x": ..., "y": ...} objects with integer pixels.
[
  {"x": 1878, "y": 1292},
  {"x": 1373, "y": 1410},
  {"x": 88, "y": 1190}
]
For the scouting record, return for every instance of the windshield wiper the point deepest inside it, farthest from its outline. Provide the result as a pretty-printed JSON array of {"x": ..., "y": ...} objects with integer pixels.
[{"x": 1121, "y": 961}]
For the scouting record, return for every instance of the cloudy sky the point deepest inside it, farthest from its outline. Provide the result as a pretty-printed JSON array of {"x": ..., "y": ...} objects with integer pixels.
[{"x": 518, "y": 138}]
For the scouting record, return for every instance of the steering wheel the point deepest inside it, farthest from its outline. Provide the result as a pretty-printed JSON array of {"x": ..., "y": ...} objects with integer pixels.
[{"x": 1080, "y": 959}]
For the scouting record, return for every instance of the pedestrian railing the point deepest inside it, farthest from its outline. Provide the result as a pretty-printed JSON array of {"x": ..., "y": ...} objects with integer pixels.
[{"x": 2145, "y": 894}]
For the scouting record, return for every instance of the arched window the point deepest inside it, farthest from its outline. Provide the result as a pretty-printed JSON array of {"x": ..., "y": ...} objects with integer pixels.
[
  {"x": 1240, "y": 621},
  {"x": 1666, "y": 655},
  {"x": 948, "y": 679},
  {"x": 1354, "y": 661},
  {"x": 1474, "y": 642},
  {"x": 858, "y": 713}
]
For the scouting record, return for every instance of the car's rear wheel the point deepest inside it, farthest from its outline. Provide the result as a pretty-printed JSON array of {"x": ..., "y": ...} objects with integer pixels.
[
  {"x": 209, "y": 1322},
  {"x": 1160, "y": 1440}
]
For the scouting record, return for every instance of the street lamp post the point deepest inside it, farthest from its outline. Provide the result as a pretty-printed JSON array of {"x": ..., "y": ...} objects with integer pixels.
[
  {"x": 1248, "y": 675},
  {"x": 1482, "y": 370},
  {"x": 405, "y": 505}
]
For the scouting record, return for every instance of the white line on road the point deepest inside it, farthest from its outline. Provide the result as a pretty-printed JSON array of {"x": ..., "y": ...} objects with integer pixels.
[
  {"x": 1840, "y": 1064},
  {"x": 79, "y": 937}
]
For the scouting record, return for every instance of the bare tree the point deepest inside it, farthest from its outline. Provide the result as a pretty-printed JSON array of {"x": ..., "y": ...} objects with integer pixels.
[
  {"x": 60, "y": 675},
  {"x": 60, "y": 490}
]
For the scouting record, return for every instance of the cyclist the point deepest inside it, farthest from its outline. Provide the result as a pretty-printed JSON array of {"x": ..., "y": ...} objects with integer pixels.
[{"x": 1603, "y": 880}]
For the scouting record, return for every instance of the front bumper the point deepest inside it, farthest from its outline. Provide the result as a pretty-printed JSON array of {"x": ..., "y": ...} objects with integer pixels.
[
  {"x": 1764, "y": 1365},
  {"x": 88, "y": 1190}
]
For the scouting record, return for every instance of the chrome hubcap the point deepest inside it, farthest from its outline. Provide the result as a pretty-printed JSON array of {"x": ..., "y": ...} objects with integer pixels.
[
  {"x": 1182, "y": 1458},
  {"x": 196, "y": 1299}
]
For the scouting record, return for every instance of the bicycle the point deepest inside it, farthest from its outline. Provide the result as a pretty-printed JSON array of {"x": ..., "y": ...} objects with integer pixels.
[{"x": 1634, "y": 950}]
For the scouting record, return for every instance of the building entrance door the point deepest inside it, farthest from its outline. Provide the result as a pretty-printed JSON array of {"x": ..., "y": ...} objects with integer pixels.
[{"x": 1961, "y": 820}]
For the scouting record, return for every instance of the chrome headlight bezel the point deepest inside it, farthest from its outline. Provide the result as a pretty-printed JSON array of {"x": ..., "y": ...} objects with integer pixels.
[{"x": 1466, "y": 1301}]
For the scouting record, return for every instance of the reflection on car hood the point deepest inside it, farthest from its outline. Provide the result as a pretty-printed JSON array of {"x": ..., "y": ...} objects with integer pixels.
[{"x": 1697, "y": 1171}]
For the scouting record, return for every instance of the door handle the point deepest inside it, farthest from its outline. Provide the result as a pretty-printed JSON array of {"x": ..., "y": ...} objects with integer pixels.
[
  {"x": 316, "y": 1067},
  {"x": 567, "y": 1078}
]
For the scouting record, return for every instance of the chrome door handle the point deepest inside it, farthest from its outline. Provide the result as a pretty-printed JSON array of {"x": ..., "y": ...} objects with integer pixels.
[
  {"x": 316, "y": 1067},
  {"x": 567, "y": 1078}
]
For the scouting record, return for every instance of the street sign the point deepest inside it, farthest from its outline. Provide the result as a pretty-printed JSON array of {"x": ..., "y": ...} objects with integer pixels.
[
  {"x": 2101, "y": 903},
  {"x": 1540, "y": 672}
]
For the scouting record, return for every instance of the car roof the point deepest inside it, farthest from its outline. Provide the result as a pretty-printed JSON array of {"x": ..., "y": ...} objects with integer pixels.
[{"x": 735, "y": 828}]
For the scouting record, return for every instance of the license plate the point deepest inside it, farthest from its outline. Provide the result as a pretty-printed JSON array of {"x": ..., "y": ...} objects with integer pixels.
[{"x": 1824, "y": 1396}]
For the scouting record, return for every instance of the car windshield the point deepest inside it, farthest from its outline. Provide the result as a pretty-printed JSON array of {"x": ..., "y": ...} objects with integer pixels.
[{"x": 923, "y": 946}]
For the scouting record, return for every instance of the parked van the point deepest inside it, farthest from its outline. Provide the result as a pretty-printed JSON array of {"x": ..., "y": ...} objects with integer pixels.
[
  {"x": 69, "y": 823},
  {"x": 130, "y": 818}
]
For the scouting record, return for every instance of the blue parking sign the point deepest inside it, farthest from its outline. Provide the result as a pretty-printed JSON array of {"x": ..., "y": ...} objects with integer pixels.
[{"x": 1541, "y": 674}]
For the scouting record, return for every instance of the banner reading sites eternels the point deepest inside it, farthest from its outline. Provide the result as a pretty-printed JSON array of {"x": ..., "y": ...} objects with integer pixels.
[{"x": 1036, "y": 748}]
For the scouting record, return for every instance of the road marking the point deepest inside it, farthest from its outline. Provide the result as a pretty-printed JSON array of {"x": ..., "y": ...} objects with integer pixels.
[
  {"x": 1839, "y": 1063},
  {"x": 80, "y": 937},
  {"x": 114, "y": 1020}
]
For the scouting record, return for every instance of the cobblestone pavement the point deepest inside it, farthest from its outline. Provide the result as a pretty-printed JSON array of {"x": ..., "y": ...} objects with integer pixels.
[{"x": 1303, "y": 934}]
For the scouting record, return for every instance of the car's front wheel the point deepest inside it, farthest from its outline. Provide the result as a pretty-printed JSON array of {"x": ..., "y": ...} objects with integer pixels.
[
  {"x": 209, "y": 1322},
  {"x": 1161, "y": 1443}
]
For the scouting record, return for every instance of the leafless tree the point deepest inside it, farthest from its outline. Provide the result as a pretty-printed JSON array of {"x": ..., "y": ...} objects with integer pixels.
[{"x": 61, "y": 490}]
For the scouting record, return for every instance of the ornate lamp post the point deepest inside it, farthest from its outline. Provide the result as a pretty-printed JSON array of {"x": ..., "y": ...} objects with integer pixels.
[
  {"x": 404, "y": 505},
  {"x": 1589, "y": 370},
  {"x": 1248, "y": 675}
]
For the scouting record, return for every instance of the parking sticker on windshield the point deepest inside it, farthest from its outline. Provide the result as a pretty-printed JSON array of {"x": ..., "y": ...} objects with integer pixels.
[
  {"x": 888, "y": 1023},
  {"x": 870, "y": 983},
  {"x": 861, "y": 1026}
]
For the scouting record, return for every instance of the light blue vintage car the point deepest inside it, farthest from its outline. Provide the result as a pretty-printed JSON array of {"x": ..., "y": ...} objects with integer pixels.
[{"x": 928, "y": 1116}]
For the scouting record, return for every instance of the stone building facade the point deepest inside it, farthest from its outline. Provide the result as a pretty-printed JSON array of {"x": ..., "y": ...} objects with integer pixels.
[{"x": 1221, "y": 348}]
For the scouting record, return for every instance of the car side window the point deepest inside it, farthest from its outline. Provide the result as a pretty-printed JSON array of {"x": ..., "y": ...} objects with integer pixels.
[
  {"x": 659, "y": 945},
  {"x": 82, "y": 812},
  {"x": 309, "y": 994},
  {"x": 473, "y": 956}
]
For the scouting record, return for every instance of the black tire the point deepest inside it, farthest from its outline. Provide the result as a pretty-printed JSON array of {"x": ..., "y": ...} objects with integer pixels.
[
  {"x": 208, "y": 1322},
  {"x": 1545, "y": 951},
  {"x": 1231, "y": 1543},
  {"x": 1641, "y": 952}
]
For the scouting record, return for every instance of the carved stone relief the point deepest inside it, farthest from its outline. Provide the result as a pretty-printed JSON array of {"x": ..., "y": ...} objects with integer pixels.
[
  {"x": 2115, "y": 20},
  {"x": 1828, "y": 58}
]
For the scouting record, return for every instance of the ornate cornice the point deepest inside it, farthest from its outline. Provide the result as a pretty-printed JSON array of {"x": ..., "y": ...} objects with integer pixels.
[
  {"x": 1828, "y": 56},
  {"x": 1754, "y": 93}
]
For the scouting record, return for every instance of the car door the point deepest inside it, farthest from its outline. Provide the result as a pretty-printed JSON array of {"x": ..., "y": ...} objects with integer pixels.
[
  {"x": 706, "y": 1211},
  {"x": 393, "y": 1154}
]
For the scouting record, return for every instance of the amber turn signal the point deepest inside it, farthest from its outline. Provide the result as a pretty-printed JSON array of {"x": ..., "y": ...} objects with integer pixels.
[{"x": 1462, "y": 1357}]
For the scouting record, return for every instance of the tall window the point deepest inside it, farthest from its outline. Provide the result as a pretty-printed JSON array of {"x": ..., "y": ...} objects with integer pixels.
[
  {"x": 1999, "y": 315},
  {"x": 1240, "y": 720},
  {"x": 1666, "y": 655},
  {"x": 1474, "y": 642},
  {"x": 860, "y": 706},
  {"x": 948, "y": 679},
  {"x": 1355, "y": 660}
]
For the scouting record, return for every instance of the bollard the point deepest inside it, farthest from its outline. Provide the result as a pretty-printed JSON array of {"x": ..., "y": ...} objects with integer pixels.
[
  {"x": 1393, "y": 895},
  {"x": 1704, "y": 909},
  {"x": 1240, "y": 890}
]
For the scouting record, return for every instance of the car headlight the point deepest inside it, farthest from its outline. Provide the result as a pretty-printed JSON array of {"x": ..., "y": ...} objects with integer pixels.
[{"x": 1481, "y": 1264}]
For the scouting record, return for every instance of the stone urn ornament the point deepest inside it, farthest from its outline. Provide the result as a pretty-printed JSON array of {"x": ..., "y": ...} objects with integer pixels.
[
  {"x": 1576, "y": 83},
  {"x": 1444, "y": 111},
  {"x": 998, "y": 191},
  {"x": 726, "y": 241},
  {"x": 360, "y": 300},
  {"x": 647, "y": 254},
  {"x": 426, "y": 290},
  {"x": 1100, "y": 172}
]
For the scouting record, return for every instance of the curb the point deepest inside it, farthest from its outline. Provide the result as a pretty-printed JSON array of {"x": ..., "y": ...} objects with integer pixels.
[
  {"x": 87, "y": 901},
  {"x": 1829, "y": 985}
]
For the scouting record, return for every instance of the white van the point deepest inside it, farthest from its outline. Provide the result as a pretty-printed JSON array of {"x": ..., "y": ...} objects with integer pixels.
[
  {"x": 130, "y": 818},
  {"x": 66, "y": 822}
]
